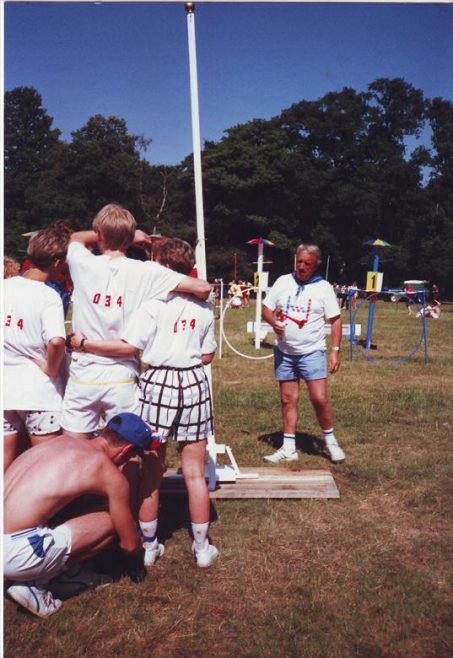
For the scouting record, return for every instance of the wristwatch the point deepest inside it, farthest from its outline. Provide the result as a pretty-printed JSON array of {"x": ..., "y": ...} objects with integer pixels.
[{"x": 335, "y": 348}]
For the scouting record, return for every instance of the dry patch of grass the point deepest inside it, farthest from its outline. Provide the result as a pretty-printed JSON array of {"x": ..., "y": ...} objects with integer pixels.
[{"x": 367, "y": 575}]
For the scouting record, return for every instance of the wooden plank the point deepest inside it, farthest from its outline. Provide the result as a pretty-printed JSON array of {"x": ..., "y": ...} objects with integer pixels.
[{"x": 273, "y": 482}]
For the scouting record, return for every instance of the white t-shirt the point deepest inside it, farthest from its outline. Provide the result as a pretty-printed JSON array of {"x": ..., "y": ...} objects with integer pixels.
[
  {"x": 305, "y": 308},
  {"x": 108, "y": 290},
  {"x": 174, "y": 333},
  {"x": 33, "y": 314}
]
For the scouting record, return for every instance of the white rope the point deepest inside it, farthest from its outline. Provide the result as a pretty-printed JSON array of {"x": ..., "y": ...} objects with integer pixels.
[{"x": 245, "y": 356}]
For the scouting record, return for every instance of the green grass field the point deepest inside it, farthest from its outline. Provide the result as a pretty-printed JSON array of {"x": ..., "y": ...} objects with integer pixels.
[{"x": 367, "y": 575}]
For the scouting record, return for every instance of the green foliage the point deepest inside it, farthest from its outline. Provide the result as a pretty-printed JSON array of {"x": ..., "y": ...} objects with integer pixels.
[
  {"x": 31, "y": 149},
  {"x": 336, "y": 171},
  {"x": 104, "y": 165},
  {"x": 365, "y": 576}
]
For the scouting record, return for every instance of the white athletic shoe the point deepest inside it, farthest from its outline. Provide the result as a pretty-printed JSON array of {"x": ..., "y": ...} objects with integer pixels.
[
  {"x": 38, "y": 601},
  {"x": 333, "y": 451},
  {"x": 205, "y": 558},
  {"x": 153, "y": 553},
  {"x": 281, "y": 456},
  {"x": 76, "y": 579}
]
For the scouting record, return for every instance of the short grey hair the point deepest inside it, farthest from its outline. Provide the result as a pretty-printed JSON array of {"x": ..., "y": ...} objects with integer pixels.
[{"x": 311, "y": 249}]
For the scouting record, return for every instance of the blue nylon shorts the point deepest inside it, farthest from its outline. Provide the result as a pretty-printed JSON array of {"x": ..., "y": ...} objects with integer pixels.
[{"x": 300, "y": 366}]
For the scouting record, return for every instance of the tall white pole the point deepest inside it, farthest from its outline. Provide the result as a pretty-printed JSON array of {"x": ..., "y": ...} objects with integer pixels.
[
  {"x": 259, "y": 295},
  {"x": 200, "y": 250},
  {"x": 221, "y": 320}
]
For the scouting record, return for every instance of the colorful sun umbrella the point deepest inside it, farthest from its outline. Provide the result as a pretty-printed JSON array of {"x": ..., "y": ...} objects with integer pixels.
[
  {"x": 261, "y": 241},
  {"x": 377, "y": 242}
]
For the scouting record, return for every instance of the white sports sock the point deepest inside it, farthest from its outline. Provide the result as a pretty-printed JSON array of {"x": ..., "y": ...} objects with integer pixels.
[
  {"x": 328, "y": 434},
  {"x": 289, "y": 443},
  {"x": 149, "y": 531},
  {"x": 200, "y": 536}
]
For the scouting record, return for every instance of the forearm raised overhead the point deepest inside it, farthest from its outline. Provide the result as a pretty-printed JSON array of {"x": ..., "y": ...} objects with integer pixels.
[
  {"x": 87, "y": 238},
  {"x": 197, "y": 287}
]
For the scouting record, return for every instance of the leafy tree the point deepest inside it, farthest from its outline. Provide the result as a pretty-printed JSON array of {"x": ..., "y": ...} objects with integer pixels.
[
  {"x": 335, "y": 171},
  {"x": 104, "y": 165},
  {"x": 436, "y": 246},
  {"x": 31, "y": 148}
]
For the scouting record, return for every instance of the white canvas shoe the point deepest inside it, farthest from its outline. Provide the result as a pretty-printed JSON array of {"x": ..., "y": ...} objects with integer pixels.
[
  {"x": 281, "y": 456},
  {"x": 205, "y": 558},
  {"x": 333, "y": 451},
  {"x": 153, "y": 553},
  {"x": 36, "y": 600}
]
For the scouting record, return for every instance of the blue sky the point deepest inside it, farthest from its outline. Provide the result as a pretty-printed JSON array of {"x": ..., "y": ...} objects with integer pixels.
[{"x": 254, "y": 60}]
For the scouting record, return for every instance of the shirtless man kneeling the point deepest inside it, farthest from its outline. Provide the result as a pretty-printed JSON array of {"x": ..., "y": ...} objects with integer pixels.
[{"x": 42, "y": 482}]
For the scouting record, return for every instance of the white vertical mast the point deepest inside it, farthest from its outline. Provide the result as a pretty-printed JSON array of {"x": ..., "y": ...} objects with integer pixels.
[{"x": 200, "y": 250}]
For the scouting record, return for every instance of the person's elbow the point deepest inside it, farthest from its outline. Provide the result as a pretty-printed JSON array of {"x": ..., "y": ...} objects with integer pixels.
[
  {"x": 132, "y": 546},
  {"x": 77, "y": 236},
  {"x": 206, "y": 359},
  {"x": 126, "y": 349},
  {"x": 335, "y": 320},
  {"x": 267, "y": 314},
  {"x": 58, "y": 347}
]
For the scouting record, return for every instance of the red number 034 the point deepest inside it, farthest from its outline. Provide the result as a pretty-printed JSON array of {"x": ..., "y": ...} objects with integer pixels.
[{"x": 107, "y": 300}]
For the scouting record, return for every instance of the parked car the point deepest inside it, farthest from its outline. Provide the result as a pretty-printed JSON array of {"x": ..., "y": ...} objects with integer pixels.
[{"x": 399, "y": 294}]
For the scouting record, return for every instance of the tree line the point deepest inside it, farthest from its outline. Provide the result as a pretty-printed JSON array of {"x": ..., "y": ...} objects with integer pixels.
[{"x": 337, "y": 171}]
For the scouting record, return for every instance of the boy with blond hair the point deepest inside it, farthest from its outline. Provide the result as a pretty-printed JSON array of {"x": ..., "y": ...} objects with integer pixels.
[
  {"x": 177, "y": 339},
  {"x": 108, "y": 289}
]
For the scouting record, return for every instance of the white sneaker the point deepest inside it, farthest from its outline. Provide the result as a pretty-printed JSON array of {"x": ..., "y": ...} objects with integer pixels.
[
  {"x": 281, "y": 456},
  {"x": 153, "y": 553},
  {"x": 333, "y": 451},
  {"x": 38, "y": 601},
  {"x": 205, "y": 558},
  {"x": 76, "y": 579}
]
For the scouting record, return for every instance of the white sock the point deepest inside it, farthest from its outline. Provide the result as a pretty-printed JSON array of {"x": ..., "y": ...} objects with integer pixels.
[
  {"x": 200, "y": 536},
  {"x": 329, "y": 436},
  {"x": 149, "y": 531},
  {"x": 289, "y": 443}
]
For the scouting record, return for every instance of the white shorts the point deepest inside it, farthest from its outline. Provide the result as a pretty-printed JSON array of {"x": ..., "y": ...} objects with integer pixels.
[
  {"x": 97, "y": 392},
  {"x": 176, "y": 402},
  {"x": 36, "y": 553},
  {"x": 38, "y": 423}
]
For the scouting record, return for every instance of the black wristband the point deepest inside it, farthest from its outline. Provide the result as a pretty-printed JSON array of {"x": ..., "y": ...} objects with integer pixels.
[{"x": 81, "y": 346}]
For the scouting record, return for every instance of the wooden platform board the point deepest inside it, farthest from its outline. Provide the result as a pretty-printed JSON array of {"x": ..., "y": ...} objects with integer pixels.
[{"x": 273, "y": 482}]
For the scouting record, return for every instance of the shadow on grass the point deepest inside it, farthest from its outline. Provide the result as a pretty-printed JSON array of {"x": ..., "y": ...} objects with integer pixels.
[
  {"x": 306, "y": 443},
  {"x": 174, "y": 515}
]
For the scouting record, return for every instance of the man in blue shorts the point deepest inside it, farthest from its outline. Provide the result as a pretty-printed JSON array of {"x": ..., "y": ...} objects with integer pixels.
[{"x": 297, "y": 307}]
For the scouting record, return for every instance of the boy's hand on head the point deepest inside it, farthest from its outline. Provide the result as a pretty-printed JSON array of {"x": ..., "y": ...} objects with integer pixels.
[{"x": 141, "y": 239}]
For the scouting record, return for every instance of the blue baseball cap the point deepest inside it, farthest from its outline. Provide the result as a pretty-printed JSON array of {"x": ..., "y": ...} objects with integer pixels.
[{"x": 132, "y": 429}]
